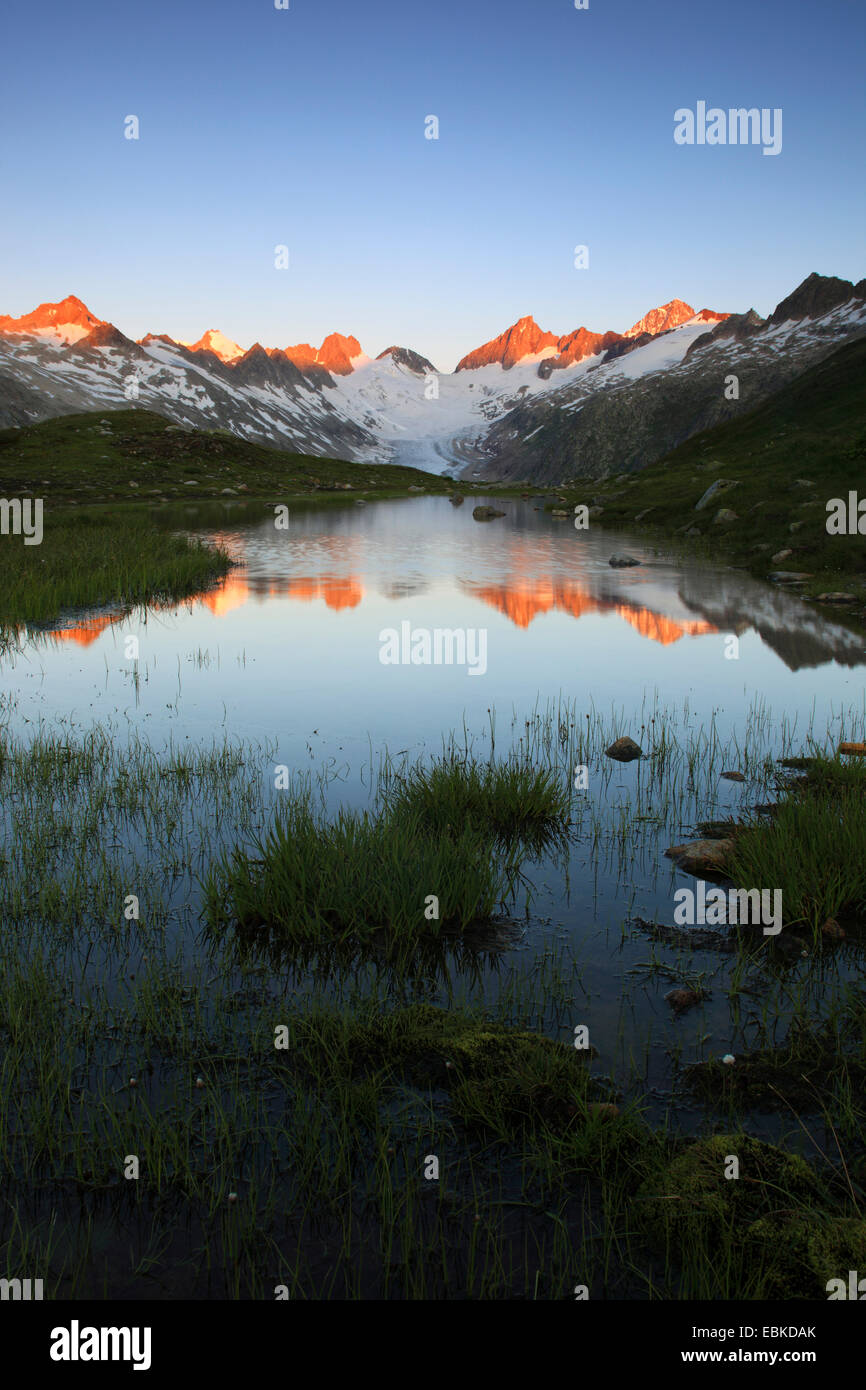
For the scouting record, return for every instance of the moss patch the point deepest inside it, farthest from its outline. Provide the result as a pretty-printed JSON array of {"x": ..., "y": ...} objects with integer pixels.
[
  {"x": 800, "y": 1254},
  {"x": 499, "y": 1079},
  {"x": 692, "y": 1196}
]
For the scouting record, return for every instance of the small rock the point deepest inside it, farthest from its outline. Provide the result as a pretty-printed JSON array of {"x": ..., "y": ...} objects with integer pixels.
[
  {"x": 414, "y": 488},
  {"x": 837, "y": 598},
  {"x": 724, "y": 516},
  {"x": 359, "y": 502},
  {"x": 682, "y": 999},
  {"x": 795, "y": 526},
  {"x": 789, "y": 576},
  {"x": 624, "y": 750},
  {"x": 729, "y": 1059},
  {"x": 621, "y": 562},
  {"x": 646, "y": 511},
  {"x": 485, "y": 513},
  {"x": 832, "y": 930},
  {"x": 456, "y": 499},
  {"x": 779, "y": 556},
  {"x": 229, "y": 492},
  {"x": 559, "y": 513},
  {"x": 700, "y": 857},
  {"x": 594, "y": 511},
  {"x": 734, "y": 776}
]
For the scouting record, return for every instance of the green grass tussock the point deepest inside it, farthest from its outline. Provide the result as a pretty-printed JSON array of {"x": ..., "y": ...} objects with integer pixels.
[{"x": 814, "y": 849}]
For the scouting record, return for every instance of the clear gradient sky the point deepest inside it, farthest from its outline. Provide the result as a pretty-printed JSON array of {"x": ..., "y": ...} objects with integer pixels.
[{"x": 306, "y": 127}]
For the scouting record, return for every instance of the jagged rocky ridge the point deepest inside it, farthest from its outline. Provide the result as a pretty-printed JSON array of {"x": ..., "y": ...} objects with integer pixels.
[
  {"x": 609, "y": 421},
  {"x": 527, "y": 405}
]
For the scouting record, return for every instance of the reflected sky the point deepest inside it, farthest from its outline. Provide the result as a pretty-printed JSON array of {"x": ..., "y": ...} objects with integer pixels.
[
  {"x": 287, "y": 649},
  {"x": 289, "y": 643}
]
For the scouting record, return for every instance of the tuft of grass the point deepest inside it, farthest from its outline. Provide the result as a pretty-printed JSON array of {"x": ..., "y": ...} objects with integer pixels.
[
  {"x": 813, "y": 850},
  {"x": 513, "y": 798},
  {"x": 358, "y": 876},
  {"x": 90, "y": 558}
]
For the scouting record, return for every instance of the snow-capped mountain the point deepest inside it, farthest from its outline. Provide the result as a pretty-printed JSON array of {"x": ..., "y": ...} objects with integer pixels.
[
  {"x": 217, "y": 343},
  {"x": 528, "y": 404},
  {"x": 66, "y": 322},
  {"x": 622, "y": 410}
]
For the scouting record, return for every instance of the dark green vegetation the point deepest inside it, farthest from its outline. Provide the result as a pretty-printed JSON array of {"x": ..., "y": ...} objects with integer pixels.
[
  {"x": 814, "y": 847},
  {"x": 789, "y": 458},
  {"x": 125, "y": 554},
  {"x": 256, "y": 1122},
  {"x": 823, "y": 1065},
  {"x": 88, "y": 558},
  {"x": 284, "y": 1123},
  {"x": 112, "y": 455},
  {"x": 509, "y": 799},
  {"x": 360, "y": 877}
]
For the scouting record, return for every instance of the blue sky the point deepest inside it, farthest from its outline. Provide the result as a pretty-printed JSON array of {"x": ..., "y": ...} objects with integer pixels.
[{"x": 305, "y": 127}]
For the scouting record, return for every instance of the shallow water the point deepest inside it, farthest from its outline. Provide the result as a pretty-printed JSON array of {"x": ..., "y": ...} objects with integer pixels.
[
  {"x": 287, "y": 649},
  {"x": 288, "y": 646}
]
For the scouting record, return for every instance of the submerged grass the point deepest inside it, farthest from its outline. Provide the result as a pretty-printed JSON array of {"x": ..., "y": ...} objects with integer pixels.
[
  {"x": 319, "y": 1102},
  {"x": 434, "y": 1154}
]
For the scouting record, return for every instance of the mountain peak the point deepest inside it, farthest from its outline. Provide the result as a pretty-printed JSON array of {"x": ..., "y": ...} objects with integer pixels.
[
  {"x": 523, "y": 339},
  {"x": 337, "y": 354},
  {"x": 68, "y": 319},
  {"x": 216, "y": 342},
  {"x": 817, "y": 295},
  {"x": 405, "y": 357},
  {"x": 660, "y": 320}
]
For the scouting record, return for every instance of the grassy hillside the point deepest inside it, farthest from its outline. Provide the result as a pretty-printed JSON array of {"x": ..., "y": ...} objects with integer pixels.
[
  {"x": 108, "y": 456},
  {"x": 788, "y": 458}
]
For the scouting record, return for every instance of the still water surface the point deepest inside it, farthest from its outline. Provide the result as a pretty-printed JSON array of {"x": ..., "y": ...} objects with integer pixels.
[{"x": 287, "y": 649}]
